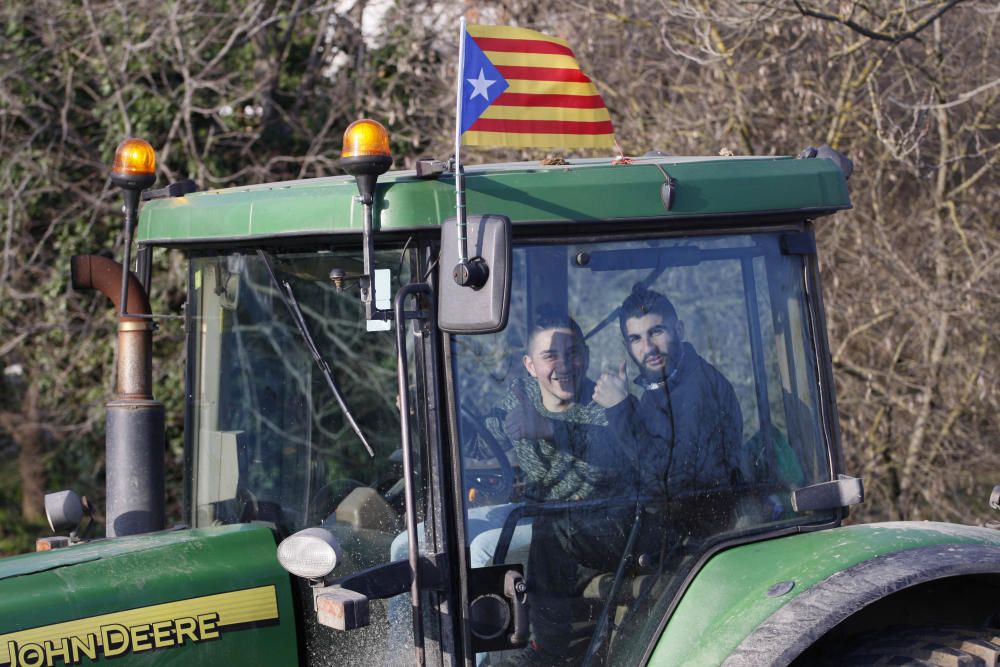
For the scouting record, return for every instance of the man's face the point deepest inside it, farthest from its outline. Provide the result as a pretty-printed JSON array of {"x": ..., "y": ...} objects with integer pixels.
[
  {"x": 557, "y": 359},
  {"x": 651, "y": 341}
]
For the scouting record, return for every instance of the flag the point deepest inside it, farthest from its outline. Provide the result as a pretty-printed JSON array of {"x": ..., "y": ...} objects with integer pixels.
[
  {"x": 521, "y": 88},
  {"x": 481, "y": 91}
]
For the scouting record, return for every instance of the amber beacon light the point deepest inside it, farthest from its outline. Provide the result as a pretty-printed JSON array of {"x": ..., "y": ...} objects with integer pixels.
[
  {"x": 366, "y": 154},
  {"x": 366, "y": 138},
  {"x": 133, "y": 170},
  {"x": 134, "y": 167}
]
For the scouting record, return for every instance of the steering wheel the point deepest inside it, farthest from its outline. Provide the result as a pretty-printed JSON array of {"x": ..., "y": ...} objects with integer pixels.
[
  {"x": 326, "y": 498},
  {"x": 493, "y": 476}
]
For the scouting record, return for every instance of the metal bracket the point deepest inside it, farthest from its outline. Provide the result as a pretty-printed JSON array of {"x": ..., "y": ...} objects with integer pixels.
[
  {"x": 345, "y": 605},
  {"x": 177, "y": 189},
  {"x": 798, "y": 243},
  {"x": 153, "y": 316},
  {"x": 390, "y": 579},
  {"x": 842, "y": 492},
  {"x": 515, "y": 589},
  {"x": 341, "y": 608},
  {"x": 428, "y": 167}
]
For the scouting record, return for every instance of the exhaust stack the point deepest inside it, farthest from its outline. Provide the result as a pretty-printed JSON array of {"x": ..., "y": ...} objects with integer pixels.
[{"x": 135, "y": 439}]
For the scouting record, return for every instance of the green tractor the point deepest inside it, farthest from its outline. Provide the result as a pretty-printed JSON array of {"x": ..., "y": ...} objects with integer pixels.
[{"x": 587, "y": 420}]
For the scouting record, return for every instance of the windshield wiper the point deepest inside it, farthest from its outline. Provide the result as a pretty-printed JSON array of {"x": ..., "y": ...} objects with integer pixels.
[
  {"x": 288, "y": 297},
  {"x": 613, "y": 315}
]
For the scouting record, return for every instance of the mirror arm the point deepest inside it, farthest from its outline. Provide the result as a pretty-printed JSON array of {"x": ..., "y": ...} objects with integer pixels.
[
  {"x": 390, "y": 579},
  {"x": 472, "y": 273}
]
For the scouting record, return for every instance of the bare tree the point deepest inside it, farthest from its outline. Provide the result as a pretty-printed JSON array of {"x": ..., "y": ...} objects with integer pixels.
[
  {"x": 909, "y": 90},
  {"x": 262, "y": 90}
]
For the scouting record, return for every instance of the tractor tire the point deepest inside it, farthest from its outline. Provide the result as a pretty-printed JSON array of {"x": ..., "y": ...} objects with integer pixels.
[{"x": 935, "y": 647}]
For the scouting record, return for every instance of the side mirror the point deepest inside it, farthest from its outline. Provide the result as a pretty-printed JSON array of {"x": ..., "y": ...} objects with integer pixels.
[{"x": 476, "y": 310}]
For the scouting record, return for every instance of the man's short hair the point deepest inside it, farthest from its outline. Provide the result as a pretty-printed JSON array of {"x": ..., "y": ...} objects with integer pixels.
[
  {"x": 548, "y": 318},
  {"x": 644, "y": 301}
]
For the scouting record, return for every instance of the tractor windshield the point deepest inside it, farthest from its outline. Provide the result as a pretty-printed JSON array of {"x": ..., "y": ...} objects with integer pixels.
[
  {"x": 269, "y": 439},
  {"x": 648, "y": 401}
]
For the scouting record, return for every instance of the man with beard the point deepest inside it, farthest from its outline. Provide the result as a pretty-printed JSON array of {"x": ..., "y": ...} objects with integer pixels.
[{"x": 687, "y": 426}]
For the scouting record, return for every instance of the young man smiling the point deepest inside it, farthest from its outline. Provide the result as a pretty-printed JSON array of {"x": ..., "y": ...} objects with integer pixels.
[
  {"x": 558, "y": 431},
  {"x": 559, "y": 436},
  {"x": 566, "y": 454}
]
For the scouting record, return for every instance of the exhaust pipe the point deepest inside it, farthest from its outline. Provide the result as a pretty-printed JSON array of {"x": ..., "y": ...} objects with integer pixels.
[{"x": 135, "y": 436}]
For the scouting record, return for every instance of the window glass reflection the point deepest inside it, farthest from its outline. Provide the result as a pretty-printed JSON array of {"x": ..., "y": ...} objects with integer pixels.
[{"x": 648, "y": 400}]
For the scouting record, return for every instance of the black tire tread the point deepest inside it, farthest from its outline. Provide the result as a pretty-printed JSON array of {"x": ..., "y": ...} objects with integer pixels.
[{"x": 937, "y": 647}]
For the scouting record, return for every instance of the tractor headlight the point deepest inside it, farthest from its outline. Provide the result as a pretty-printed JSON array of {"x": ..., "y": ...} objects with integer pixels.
[{"x": 311, "y": 553}]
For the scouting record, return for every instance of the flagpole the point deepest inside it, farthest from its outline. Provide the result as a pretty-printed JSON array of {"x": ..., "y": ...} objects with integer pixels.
[{"x": 463, "y": 258}]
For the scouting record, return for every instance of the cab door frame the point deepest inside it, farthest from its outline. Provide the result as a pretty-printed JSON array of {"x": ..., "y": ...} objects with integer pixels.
[{"x": 439, "y": 603}]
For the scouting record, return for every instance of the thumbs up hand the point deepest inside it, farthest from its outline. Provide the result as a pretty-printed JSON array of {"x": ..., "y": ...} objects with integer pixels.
[{"x": 611, "y": 389}]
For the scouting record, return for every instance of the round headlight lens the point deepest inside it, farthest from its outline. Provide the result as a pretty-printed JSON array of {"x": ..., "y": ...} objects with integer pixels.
[{"x": 311, "y": 553}]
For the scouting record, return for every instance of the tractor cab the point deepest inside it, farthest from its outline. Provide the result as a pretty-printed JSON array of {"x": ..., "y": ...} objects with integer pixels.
[{"x": 638, "y": 382}]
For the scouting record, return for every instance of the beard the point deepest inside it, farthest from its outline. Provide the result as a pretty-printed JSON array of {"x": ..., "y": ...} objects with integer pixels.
[{"x": 673, "y": 357}]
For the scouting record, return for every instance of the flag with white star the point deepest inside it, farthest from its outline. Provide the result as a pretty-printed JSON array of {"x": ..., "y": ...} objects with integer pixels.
[
  {"x": 522, "y": 88},
  {"x": 481, "y": 83}
]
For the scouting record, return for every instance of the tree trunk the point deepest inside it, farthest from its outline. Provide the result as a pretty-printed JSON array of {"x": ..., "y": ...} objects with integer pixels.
[{"x": 26, "y": 431}]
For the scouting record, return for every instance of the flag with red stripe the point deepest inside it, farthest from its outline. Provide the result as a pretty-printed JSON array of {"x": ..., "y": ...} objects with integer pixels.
[{"x": 540, "y": 99}]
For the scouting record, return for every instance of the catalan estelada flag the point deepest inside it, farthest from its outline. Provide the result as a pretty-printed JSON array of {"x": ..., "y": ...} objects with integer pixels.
[{"x": 521, "y": 88}]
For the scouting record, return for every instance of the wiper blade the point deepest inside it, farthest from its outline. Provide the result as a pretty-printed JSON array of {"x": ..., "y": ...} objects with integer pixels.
[
  {"x": 288, "y": 297},
  {"x": 613, "y": 315}
]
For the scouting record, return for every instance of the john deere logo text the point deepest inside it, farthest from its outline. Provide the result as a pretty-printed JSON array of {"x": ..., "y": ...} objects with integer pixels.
[{"x": 162, "y": 626}]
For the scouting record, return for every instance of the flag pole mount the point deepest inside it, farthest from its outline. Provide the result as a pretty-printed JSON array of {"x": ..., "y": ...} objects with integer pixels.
[{"x": 468, "y": 273}]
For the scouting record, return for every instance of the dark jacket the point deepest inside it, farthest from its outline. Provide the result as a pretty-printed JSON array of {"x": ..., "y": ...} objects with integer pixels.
[{"x": 686, "y": 430}]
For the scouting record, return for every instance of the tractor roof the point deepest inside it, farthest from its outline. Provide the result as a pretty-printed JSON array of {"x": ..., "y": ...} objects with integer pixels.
[{"x": 586, "y": 190}]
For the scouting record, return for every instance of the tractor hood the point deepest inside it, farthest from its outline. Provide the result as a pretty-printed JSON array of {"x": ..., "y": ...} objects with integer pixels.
[
  {"x": 213, "y": 596},
  {"x": 43, "y": 561}
]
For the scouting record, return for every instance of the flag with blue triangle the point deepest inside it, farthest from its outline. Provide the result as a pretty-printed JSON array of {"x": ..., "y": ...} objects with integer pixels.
[
  {"x": 522, "y": 88},
  {"x": 482, "y": 83}
]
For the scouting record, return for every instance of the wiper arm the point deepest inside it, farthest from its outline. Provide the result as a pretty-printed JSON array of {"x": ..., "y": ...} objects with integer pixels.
[
  {"x": 613, "y": 315},
  {"x": 288, "y": 297}
]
